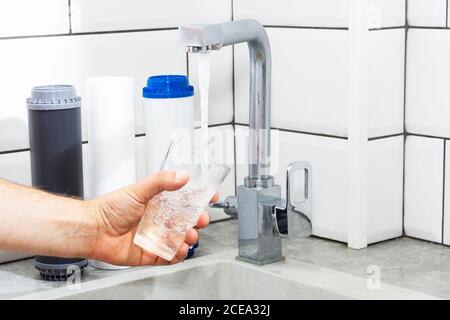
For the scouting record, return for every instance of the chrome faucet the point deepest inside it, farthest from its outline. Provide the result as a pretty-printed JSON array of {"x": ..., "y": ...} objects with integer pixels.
[{"x": 264, "y": 218}]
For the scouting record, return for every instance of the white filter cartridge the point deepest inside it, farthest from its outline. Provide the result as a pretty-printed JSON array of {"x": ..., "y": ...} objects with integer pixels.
[{"x": 111, "y": 138}]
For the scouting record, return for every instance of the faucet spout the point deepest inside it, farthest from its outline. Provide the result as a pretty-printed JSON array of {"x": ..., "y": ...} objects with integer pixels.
[{"x": 202, "y": 38}]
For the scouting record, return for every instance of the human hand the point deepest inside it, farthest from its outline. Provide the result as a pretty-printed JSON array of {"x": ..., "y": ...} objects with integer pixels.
[{"x": 117, "y": 215}]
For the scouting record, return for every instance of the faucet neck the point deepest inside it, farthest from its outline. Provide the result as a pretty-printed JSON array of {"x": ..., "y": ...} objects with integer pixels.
[{"x": 254, "y": 34}]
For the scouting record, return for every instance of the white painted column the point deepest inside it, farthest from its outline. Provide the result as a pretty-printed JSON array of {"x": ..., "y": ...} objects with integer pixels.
[{"x": 358, "y": 124}]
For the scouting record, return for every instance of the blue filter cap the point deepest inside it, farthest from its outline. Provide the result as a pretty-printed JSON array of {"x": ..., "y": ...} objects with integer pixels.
[
  {"x": 168, "y": 86},
  {"x": 191, "y": 251}
]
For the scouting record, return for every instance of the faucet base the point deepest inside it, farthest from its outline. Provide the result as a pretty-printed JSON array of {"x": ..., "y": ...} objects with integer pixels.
[
  {"x": 257, "y": 242},
  {"x": 260, "y": 262}
]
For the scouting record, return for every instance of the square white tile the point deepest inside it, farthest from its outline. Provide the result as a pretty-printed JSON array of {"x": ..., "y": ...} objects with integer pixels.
[
  {"x": 16, "y": 167},
  {"x": 386, "y": 13},
  {"x": 88, "y": 15},
  {"x": 318, "y": 13},
  {"x": 70, "y": 60},
  {"x": 429, "y": 13},
  {"x": 385, "y": 189},
  {"x": 328, "y": 158},
  {"x": 428, "y": 91},
  {"x": 386, "y": 82},
  {"x": 31, "y": 17},
  {"x": 309, "y": 80},
  {"x": 220, "y": 86},
  {"x": 423, "y": 187}
]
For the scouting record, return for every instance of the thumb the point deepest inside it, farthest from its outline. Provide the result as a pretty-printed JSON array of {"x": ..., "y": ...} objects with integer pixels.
[{"x": 151, "y": 185}]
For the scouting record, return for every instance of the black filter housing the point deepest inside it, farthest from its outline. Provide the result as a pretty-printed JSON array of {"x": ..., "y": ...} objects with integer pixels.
[{"x": 54, "y": 124}]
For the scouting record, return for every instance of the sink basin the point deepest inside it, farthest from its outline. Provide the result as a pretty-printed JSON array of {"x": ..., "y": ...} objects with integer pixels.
[
  {"x": 219, "y": 280},
  {"x": 220, "y": 276}
]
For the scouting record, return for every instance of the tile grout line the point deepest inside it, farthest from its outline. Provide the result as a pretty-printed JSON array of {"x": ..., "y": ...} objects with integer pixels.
[
  {"x": 387, "y": 136},
  {"x": 446, "y": 13},
  {"x": 70, "y": 16},
  {"x": 425, "y": 135},
  {"x": 137, "y": 135},
  {"x": 14, "y": 151},
  {"x": 427, "y": 27},
  {"x": 87, "y": 33},
  {"x": 427, "y": 241},
  {"x": 404, "y": 117},
  {"x": 304, "y": 27},
  {"x": 443, "y": 190},
  {"x": 387, "y": 28},
  {"x": 325, "y": 135},
  {"x": 445, "y": 154},
  {"x": 234, "y": 106},
  {"x": 300, "y": 132}
]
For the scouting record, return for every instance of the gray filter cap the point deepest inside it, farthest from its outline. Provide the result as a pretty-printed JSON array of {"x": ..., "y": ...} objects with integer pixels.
[{"x": 55, "y": 97}]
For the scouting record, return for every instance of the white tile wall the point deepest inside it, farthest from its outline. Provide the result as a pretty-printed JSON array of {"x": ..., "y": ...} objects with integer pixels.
[
  {"x": 429, "y": 13},
  {"x": 318, "y": 63},
  {"x": 427, "y": 92},
  {"x": 220, "y": 86},
  {"x": 328, "y": 157},
  {"x": 423, "y": 187},
  {"x": 88, "y": 15},
  {"x": 309, "y": 85},
  {"x": 309, "y": 80},
  {"x": 322, "y": 13},
  {"x": 386, "y": 82},
  {"x": 427, "y": 100},
  {"x": 385, "y": 189},
  {"x": 32, "y": 17},
  {"x": 70, "y": 60},
  {"x": 386, "y": 13},
  {"x": 318, "y": 13},
  {"x": 31, "y": 61}
]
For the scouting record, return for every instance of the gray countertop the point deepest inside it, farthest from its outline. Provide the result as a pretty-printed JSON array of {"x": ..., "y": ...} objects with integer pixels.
[{"x": 403, "y": 262}]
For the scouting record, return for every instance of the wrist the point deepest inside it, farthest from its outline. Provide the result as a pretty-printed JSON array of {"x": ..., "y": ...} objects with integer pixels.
[{"x": 88, "y": 233}]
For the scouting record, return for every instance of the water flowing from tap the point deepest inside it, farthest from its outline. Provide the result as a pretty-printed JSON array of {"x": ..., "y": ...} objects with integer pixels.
[{"x": 203, "y": 83}]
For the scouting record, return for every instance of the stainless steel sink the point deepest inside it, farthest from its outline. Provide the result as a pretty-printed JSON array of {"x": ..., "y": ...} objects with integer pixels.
[{"x": 220, "y": 276}]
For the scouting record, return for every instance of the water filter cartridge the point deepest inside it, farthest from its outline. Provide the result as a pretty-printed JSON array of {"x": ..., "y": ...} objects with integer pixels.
[
  {"x": 169, "y": 114},
  {"x": 111, "y": 163},
  {"x": 54, "y": 124}
]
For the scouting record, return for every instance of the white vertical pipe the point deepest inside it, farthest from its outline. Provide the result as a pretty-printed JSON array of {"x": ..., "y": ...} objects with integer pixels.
[{"x": 357, "y": 124}]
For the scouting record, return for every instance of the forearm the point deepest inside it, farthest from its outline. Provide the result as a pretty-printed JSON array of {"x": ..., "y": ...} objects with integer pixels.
[{"x": 42, "y": 223}]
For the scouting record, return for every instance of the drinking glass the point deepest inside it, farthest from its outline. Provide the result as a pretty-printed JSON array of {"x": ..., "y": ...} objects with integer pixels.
[{"x": 170, "y": 214}]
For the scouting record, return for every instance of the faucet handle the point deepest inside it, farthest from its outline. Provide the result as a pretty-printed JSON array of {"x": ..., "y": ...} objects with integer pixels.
[
  {"x": 293, "y": 219},
  {"x": 229, "y": 206}
]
